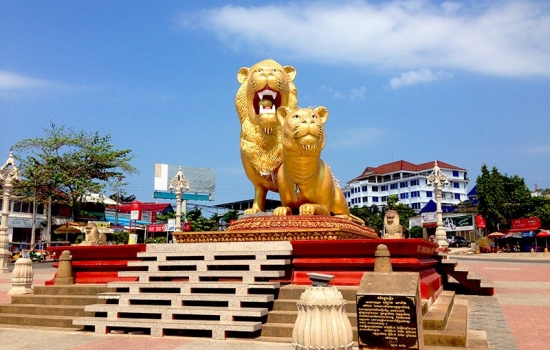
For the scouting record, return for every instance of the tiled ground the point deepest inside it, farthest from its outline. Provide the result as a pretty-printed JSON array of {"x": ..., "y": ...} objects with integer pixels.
[{"x": 523, "y": 294}]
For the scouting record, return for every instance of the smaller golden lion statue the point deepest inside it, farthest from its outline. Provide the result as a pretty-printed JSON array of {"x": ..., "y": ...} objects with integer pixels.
[
  {"x": 265, "y": 86},
  {"x": 305, "y": 181},
  {"x": 93, "y": 236},
  {"x": 393, "y": 228}
]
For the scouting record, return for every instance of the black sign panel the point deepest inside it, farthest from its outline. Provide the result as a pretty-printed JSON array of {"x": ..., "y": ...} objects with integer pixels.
[{"x": 387, "y": 322}]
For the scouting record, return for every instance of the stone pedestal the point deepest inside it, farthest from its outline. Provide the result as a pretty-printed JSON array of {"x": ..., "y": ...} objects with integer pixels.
[
  {"x": 389, "y": 314},
  {"x": 65, "y": 270},
  {"x": 21, "y": 277},
  {"x": 322, "y": 321}
]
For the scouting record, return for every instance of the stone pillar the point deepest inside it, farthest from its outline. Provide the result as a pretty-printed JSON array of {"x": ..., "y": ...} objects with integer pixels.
[
  {"x": 322, "y": 321},
  {"x": 181, "y": 185},
  {"x": 438, "y": 179},
  {"x": 382, "y": 261},
  {"x": 8, "y": 174},
  {"x": 21, "y": 277},
  {"x": 65, "y": 269}
]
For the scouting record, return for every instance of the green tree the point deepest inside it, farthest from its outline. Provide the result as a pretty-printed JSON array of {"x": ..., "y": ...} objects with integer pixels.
[
  {"x": 370, "y": 215},
  {"x": 200, "y": 223},
  {"x": 415, "y": 232},
  {"x": 230, "y": 215},
  {"x": 71, "y": 163},
  {"x": 491, "y": 197}
]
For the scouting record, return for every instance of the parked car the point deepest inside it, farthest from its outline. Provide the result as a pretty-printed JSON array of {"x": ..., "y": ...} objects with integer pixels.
[{"x": 457, "y": 241}]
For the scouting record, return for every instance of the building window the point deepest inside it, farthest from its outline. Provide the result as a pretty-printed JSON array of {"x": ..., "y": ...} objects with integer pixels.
[
  {"x": 414, "y": 182},
  {"x": 365, "y": 188},
  {"x": 393, "y": 186},
  {"x": 404, "y": 195},
  {"x": 384, "y": 188},
  {"x": 403, "y": 184},
  {"x": 416, "y": 206},
  {"x": 375, "y": 199},
  {"x": 455, "y": 173},
  {"x": 374, "y": 188},
  {"x": 429, "y": 194},
  {"x": 456, "y": 185},
  {"x": 415, "y": 194},
  {"x": 365, "y": 199},
  {"x": 457, "y": 196},
  {"x": 384, "y": 198}
]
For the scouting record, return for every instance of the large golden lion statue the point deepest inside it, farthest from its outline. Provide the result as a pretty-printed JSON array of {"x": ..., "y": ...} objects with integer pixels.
[
  {"x": 306, "y": 184},
  {"x": 265, "y": 87}
]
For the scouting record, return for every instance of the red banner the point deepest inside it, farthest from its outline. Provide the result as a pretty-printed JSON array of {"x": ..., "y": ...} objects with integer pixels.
[
  {"x": 155, "y": 228},
  {"x": 480, "y": 221},
  {"x": 527, "y": 224}
]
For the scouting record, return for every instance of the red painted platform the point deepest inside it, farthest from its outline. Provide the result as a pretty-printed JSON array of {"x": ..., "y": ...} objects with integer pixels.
[
  {"x": 99, "y": 264},
  {"x": 347, "y": 260}
]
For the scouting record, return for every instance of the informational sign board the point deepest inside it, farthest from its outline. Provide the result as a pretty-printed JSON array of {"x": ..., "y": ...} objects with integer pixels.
[
  {"x": 171, "y": 225},
  {"x": 389, "y": 315},
  {"x": 202, "y": 181}
]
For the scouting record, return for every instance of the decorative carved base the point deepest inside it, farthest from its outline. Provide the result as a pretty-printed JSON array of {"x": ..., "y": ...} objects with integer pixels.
[{"x": 282, "y": 228}]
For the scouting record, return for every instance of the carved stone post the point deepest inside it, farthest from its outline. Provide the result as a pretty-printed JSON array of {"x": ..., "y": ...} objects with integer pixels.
[
  {"x": 65, "y": 269},
  {"x": 181, "y": 185},
  {"x": 322, "y": 321},
  {"x": 21, "y": 277},
  {"x": 8, "y": 174},
  {"x": 438, "y": 180}
]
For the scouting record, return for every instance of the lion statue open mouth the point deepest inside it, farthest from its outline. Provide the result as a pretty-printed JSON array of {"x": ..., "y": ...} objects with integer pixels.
[{"x": 265, "y": 86}]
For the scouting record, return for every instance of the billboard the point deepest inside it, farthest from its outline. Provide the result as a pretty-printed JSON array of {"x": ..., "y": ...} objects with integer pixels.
[{"x": 201, "y": 180}]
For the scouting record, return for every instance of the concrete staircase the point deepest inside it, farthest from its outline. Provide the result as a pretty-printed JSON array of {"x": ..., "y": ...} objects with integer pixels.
[
  {"x": 53, "y": 307},
  {"x": 460, "y": 279},
  {"x": 214, "y": 290},
  {"x": 445, "y": 322}
]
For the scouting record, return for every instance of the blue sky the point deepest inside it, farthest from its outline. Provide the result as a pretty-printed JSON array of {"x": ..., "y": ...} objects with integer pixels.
[{"x": 466, "y": 82}]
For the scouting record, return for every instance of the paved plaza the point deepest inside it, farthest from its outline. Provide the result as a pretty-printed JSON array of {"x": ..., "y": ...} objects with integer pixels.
[{"x": 516, "y": 318}]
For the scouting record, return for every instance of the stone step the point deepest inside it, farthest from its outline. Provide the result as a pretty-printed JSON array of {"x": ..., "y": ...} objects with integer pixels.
[
  {"x": 167, "y": 312},
  {"x": 438, "y": 314},
  {"x": 38, "y": 320},
  {"x": 75, "y": 289},
  {"x": 196, "y": 287},
  {"x": 455, "y": 332},
  {"x": 291, "y": 316},
  {"x": 55, "y": 299},
  {"x": 158, "y": 328},
  {"x": 231, "y": 300},
  {"x": 205, "y": 265},
  {"x": 197, "y": 276},
  {"x": 33, "y": 309},
  {"x": 290, "y": 305}
]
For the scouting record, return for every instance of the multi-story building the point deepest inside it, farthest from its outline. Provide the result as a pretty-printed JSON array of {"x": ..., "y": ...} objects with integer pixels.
[{"x": 409, "y": 182}]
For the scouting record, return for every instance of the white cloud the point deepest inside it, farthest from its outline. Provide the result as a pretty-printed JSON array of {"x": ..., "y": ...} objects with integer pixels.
[
  {"x": 10, "y": 80},
  {"x": 506, "y": 38},
  {"x": 352, "y": 94},
  {"x": 416, "y": 77},
  {"x": 356, "y": 137},
  {"x": 543, "y": 149}
]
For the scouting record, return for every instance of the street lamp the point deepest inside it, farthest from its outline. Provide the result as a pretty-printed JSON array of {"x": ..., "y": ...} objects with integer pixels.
[
  {"x": 181, "y": 185},
  {"x": 8, "y": 174},
  {"x": 438, "y": 180}
]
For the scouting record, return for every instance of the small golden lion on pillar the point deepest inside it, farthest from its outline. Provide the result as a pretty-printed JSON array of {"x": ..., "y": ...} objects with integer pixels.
[
  {"x": 93, "y": 236},
  {"x": 305, "y": 181},
  {"x": 265, "y": 87}
]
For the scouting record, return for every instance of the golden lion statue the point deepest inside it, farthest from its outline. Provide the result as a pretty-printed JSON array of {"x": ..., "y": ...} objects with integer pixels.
[
  {"x": 265, "y": 87},
  {"x": 306, "y": 184},
  {"x": 393, "y": 228}
]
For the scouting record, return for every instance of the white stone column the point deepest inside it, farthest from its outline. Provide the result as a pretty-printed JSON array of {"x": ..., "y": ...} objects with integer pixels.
[
  {"x": 181, "y": 185},
  {"x": 438, "y": 180},
  {"x": 322, "y": 321},
  {"x": 22, "y": 277},
  {"x": 8, "y": 174}
]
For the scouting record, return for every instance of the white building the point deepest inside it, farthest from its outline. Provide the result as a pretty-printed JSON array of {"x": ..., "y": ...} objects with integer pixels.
[{"x": 408, "y": 182}]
